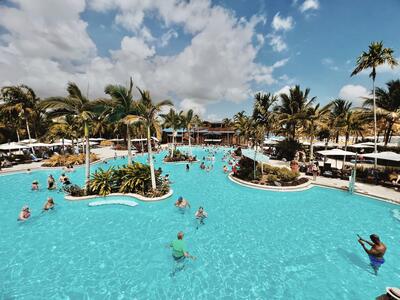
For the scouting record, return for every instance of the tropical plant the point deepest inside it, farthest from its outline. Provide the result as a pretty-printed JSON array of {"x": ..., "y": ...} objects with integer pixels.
[
  {"x": 262, "y": 110},
  {"x": 387, "y": 106},
  {"x": 147, "y": 114},
  {"x": 68, "y": 160},
  {"x": 79, "y": 106},
  {"x": 103, "y": 182},
  {"x": 188, "y": 120},
  {"x": 242, "y": 125},
  {"x": 292, "y": 110},
  {"x": 135, "y": 178},
  {"x": 340, "y": 109},
  {"x": 377, "y": 55},
  {"x": 172, "y": 120},
  {"x": 100, "y": 124},
  {"x": 124, "y": 106},
  {"x": 227, "y": 123}
]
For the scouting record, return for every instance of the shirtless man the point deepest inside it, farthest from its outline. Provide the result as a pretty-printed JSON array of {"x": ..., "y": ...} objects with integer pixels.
[
  {"x": 182, "y": 203},
  {"x": 376, "y": 252}
]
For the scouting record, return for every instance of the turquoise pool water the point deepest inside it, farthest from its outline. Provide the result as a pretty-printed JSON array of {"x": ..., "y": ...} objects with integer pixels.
[{"x": 254, "y": 245}]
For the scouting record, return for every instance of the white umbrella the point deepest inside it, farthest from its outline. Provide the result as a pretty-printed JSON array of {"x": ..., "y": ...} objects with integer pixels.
[
  {"x": 12, "y": 146},
  {"x": 387, "y": 155},
  {"x": 361, "y": 146},
  {"x": 26, "y": 141},
  {"x": 40, "y": 145},
  {"x": 336, "y": 152}
]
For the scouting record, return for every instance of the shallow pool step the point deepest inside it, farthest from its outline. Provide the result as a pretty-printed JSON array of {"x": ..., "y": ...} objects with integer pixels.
[{"x": 109, "y": 202}]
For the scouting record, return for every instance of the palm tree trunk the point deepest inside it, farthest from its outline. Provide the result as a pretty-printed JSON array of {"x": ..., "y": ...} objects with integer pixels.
[
  {"x": 190, "y": 143},
  {"x": 128, "y": 134},
  {"x": 387, "y": 134},
  {"x": 29, "y": 134},
  {"x": 345, "y": 149},
  {"x": 311, "y": 147},
  {"x": 87, "y": 161},
  {"x": 150, "y": 155},
  {"x": 373, "y": 97},
  {"x": 173, "y": 143}
]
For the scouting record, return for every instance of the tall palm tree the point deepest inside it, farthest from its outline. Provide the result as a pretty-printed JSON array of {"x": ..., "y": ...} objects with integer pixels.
[
  {"x": 147, "y": 114},
  {"x": 124, "y": 106},
  {"x": 241, "y": 125},
  {"x": 340, "y": 108},
  {"x": 197, "y": 124},
  {"x": 387, "y": 106},
  {"x": 188, "y": 120},
  {"x": 100, "y": 122},
  {"x": 314, "y": 117},
  {"x": 79, "y": 106},
  {"x": 262, "y": 110},
  {"x": 227, "y": 123},
  {"x": 172, "y": 120},
  {"x": 21, "y": 102},
  {"x": 352, "y": 122},
  {"x": 377, "y": 55},
  {"x": 292, "y": 108}
]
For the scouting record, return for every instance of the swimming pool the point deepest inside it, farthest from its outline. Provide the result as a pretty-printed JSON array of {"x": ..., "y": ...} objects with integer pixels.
[{"x": 254, "y": 245}]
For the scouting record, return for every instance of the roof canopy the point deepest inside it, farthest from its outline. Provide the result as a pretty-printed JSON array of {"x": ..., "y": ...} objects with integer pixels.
[
  {"x": 361, "y": 146},
  {"x": 257, "y": 156},
  {"x": 12, "y": 146},
  {"x": 387, "y": 155},
  {"x": 336, "y": 152}
]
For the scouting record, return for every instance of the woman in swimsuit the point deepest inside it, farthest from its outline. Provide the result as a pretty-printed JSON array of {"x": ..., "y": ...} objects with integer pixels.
[
  {"x": 51, "y": 183},
  {"x": 24, "y": 214},
  {"x": 49, "y": 204},
  {"x": 35, "y": 185}
]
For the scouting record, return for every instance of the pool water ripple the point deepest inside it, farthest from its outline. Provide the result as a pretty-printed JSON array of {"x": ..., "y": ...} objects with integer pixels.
[{"x": 254, "y": 245}]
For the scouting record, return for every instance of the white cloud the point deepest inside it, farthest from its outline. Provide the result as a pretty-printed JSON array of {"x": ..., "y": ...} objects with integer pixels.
[
  {"x": 328, "y": 62},
  {"x": 47, "y": 45},
  {"x": 354, "y": 93},
  {"x": 276, "y": 42},
  {"x": 280, "y": 23},
  {"x": 283, "y": 90},
  {"x": 309, "y": 5},
  {"x": 167, "y": 36},
  {"x": 198, "y": 108}
]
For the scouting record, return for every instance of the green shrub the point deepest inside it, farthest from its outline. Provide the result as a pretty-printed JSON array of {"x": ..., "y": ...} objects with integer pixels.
[
  {"x": 103, "y": 182},
  {"x": 272, "y": 178},
  {"x": 246, "y": 169},
  {"x": 286, "y": 175},
  {"x": 135, "y": 178},
  {"x": 74, "y": 190}
]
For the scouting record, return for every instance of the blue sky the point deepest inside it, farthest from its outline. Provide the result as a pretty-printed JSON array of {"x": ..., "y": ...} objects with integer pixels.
[{"x": 211, "y": 56}]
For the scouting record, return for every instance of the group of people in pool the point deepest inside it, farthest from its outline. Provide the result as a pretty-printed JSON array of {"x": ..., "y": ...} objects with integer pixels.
[
  {"x": 25, "y": 212},
  {"x": 179, "y": 251}
]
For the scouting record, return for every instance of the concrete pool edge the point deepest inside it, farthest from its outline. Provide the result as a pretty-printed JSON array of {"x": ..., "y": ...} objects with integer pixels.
[
  {"x": 136, "y": 196},
  {"x": 297, "y": 188}
]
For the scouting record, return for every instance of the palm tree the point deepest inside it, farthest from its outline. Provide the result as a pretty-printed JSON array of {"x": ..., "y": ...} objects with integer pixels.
[
  {"x": 227, "y": 123},
  {"x": 377, "y": 55},
  {"x": 197, "y": 123},
  {"x": 340, "y": 108},
  {"x": 387, "y": 106},
  {"x": 147, "y": 113},
  {"x": 292, "y": 109},
  {"x": 124, "y": 106},
  {"x": 100, "y": 122},
  {"x": 314, "y": 118},
  {"x": 188, "y": 120},
  {"x": 20, "y": 102},
  {"x": 79, "y": 106},
  {"x": 241, "y": 125},
  {"x": 262, "y": 112},
  {"x": 172, "y": 120}
]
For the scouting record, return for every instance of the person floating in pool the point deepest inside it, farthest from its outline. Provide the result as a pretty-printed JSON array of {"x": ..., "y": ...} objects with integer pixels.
[
  {"x": 62, "y": 177},
  {"x": 376, "y": 252},
  {"x": 35, "y": 185},
  {"x": 187, "y": 167},
  {"x": 225, "y": 169},
  {"x": 200, "y": 215},
  {"x": 24, "y": 214},
  {"x": 51, "y": 183},
  {"x": 182, "y": 203},
  {"x": 49, "y": 204}
]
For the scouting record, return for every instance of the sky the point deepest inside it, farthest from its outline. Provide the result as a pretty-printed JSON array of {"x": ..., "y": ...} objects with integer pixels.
[{"x": 209, "y": 56}]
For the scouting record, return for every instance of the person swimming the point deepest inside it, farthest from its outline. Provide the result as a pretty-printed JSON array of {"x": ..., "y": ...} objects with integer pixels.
[
  {"x": 225, "y": 169},
  {"x": 35, "y": 185},
  {"x": 187, "y": 167},
  {"x": 202, "y": 165},
  {"x": 376, "y": 252},
  {"x": 49, "y": 204},
  {"x": 62, "y": 177},
  {"x": 24, "y": 214},
  {"x": 200, "y": 215},
  {"x": 182, "y": 203},
  {"x": 179, "y": 251},
  {"x": 51, "y": 183}
]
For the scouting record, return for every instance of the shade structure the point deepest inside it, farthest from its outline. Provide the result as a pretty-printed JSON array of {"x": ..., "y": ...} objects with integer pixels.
[
  {"x": 387, "y": 155},
  {"x": 26, "y": 141},
  {"x": 12, "y": 146},
  {"x": 361, "y": 146},
  {"x": 257, "y": 156},
  {"x": 336, "y": 152},
  {"x": 39, "y": 145},
  {"x": 96, "y": 139},
  {"x": 270, "y": 142}
]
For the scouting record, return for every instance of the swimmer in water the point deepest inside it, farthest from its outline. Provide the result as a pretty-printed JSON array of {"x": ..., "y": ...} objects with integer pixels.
[
  {"x": 376, "y": 252},
  {"x": 200, "y": 215},
  {"x": 35, "y": 185},
  {"x": 182, "y": 203},
  {"x": 51, "y": 183},
  {"x": 49, "y": 204},
  {"x": 24, "y": 214}
]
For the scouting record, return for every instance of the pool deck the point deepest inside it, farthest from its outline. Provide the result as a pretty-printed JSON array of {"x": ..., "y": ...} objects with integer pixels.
[{"x": 376, "y": 191}]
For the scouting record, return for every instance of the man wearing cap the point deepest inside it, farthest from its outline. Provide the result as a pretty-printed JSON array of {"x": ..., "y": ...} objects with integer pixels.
[
  {"x": 376, "y": 252},
  {"x": 182, "y": 203}
]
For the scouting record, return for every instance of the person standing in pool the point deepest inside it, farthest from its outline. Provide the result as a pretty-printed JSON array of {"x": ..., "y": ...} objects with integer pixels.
[
  {"x": 24, "y": 214},
  {"x": 187, "y": 167},
  {"x": 49, "y": 204},
  {"x": 179, "y": 251},
  {"x": 51, "y": 183},
  {"x": 376, "y": 252},
  {"x": 182, "y": 203},
  {"x": 200, "y": 215}
]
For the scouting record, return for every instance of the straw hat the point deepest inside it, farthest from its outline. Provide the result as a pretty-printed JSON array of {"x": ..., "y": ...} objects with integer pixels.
[{"x": 393, "y": 292}]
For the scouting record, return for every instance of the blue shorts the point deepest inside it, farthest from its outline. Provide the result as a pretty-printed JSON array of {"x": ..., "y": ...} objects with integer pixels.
[{"x": 376, "y": 262}]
